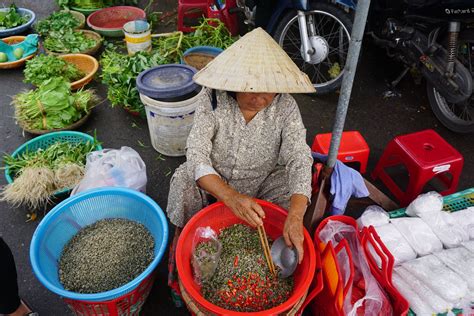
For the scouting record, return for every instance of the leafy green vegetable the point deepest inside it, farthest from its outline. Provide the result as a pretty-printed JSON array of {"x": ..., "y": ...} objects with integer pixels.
[
  {"x": 44, "y": 67},
  {"x": 57, "y": 22},
  {"x": 52, "y": 105},
  {"x": 68, "y": 42},
  {"x": 10, "y": 18},
  {"x": 58, "y": 153},
  {"x": 94, "y": 4},
  {"x": 119, "y": 72}
]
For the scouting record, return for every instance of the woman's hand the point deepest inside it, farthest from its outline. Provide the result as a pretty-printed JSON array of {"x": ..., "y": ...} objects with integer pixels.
[
  {"x": 293, "y": 234},
  {"x": 293, "y": 231},
  {"x": 246, "y": 208}
]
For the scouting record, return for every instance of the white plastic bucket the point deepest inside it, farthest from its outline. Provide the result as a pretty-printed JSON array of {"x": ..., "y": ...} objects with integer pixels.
[
  {"x": 138, "y": 36},
  {"x": 170, "y": 123}
]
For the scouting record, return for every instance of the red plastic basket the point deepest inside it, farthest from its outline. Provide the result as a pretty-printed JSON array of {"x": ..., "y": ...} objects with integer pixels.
[
  {"x": 129, "y": 304},
  {"x": 218, "y": 216}
]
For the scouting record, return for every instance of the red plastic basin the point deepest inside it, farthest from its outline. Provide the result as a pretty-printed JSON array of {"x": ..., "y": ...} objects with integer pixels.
[
  {"x": 218, "y": 216},
  {"x": 114, "y": 18}
]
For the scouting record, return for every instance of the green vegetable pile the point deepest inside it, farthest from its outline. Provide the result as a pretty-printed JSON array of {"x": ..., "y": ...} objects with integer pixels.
[
  {"x": 38, "y": 174},
  {"x": 11, "y": 18},
  {"x": 52, "y": 105},
  {"x": 69, "y": 41},
  {"x": 94, "y": 4},
  {"x": 44, "y": 67},
  {"x": 57, "y": 22},
  {"x": 119, "y": 71}
]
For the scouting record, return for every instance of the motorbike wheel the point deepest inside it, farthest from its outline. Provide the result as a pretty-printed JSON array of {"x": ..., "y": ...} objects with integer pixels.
[
  {"x": 333, "y": 28},
  {"x": 457, "y": 117}
]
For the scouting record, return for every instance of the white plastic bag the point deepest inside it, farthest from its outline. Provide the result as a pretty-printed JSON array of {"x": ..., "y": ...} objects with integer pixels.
[
  {"x": 206, "y": 253},
  {"x": 445, "y": 228},
  {"x": 373, "y": 215},
  {"x": 418, "y": 234},
  {"x": 425, "y": 203},
  {"x": 461, "y": 261},
  {"x": 375, "y": 302},
  {"x": 442, "y": 280},
  {"x": 436, "y": 303},
  {"x": 114, "y": 168},
  {"x": 465, "y": 219},
  {"x": 469, "y": 245},
  {"x": 395, "y": 243},
  {"x": 418, "y": 304}
]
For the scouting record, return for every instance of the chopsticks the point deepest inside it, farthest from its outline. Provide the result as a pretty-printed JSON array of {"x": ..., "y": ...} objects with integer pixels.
[{"x": 266, "y": 249}]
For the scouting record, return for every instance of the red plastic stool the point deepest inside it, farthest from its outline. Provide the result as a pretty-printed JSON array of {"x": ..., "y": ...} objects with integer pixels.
[
  {"x": 191, "y": 9},
  {"x": 353, "y": 148},
  {"x": 426, "y": 155}
]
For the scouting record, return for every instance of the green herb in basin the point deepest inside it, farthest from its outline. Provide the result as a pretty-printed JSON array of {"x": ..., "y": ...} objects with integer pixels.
[
  {"x": 57, "y": 22},
  {"x": 44, "y": 67},
  {"x": 10, "y": 18}
]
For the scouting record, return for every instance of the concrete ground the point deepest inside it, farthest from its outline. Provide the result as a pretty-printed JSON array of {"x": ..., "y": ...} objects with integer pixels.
[{"x": 378, "y": 119}]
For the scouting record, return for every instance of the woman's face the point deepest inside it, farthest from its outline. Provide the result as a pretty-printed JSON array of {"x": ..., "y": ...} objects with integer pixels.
[{"x": 249, "y": 101}]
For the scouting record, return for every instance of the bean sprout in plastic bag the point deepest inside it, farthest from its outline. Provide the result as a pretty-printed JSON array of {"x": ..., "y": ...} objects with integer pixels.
[{"x": 206, "y": 253}]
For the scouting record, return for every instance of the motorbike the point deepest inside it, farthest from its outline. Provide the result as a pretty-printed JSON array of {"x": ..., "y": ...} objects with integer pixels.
[{"x": 433, "y": 38}]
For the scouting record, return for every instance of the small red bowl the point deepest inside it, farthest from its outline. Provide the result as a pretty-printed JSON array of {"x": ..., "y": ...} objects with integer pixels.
[{"x": 110, "y": 21}]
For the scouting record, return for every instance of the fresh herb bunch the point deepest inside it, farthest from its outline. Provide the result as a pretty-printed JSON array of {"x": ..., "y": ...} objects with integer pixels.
[
  {"x": 69, "y": 41},
  {"x": 94, "y": 4},
  {"x": 39, "y": 173},
  {"x": 52, "y": 105},
  {"x": 11, "y": 18},
  {"x": 57, "y": 154},
  {"x": 119, "y": 71},
  {"x": 57, "y": 22},
  {"x": 44, "y": 67},
  {"x": 242, "y": 281}
]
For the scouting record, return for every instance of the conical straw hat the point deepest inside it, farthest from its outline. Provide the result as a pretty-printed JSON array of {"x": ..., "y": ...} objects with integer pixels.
[{"x": 255, "y": 63}]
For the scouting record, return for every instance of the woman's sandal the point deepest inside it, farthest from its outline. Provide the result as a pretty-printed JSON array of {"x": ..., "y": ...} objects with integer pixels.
[{"x": 29, "y": 307}]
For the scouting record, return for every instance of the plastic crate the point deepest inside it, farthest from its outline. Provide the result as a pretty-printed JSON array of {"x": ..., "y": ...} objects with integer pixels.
[{"x": 452, "y": 203}]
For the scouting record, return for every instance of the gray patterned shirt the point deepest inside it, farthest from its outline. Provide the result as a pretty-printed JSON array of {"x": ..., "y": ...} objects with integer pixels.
[{"x": 244, "y": 154}]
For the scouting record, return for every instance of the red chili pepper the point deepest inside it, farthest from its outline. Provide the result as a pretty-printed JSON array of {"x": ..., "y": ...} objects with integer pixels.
[{"x": 236, "y": 261}]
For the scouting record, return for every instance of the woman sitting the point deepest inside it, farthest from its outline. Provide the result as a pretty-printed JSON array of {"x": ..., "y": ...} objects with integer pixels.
[{"x": 248, "y": 140}]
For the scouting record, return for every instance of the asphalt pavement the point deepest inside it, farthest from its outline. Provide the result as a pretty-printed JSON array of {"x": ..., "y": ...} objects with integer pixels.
[{"x": 377, "y": 118}]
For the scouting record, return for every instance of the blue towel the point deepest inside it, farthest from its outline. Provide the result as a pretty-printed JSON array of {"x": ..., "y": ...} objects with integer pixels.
[
  {"x": 345, "y": 183},
  {"x": 29, "y": 45}
]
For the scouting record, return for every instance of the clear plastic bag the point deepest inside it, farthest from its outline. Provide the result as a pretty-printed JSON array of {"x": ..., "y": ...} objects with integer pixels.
[
  {"x": 425, "y": 203},
  {"x": 206, "y": 253},
  {"x": 418, "y": 234},
  {"x": 445, "y": 228},
  {"x": 465, "y": 219},
  {"x": 114, "y": 168},
  {"x": 469, "y": 245},
  {"x": 373, "y": 215},
  {"x": 395, "y": 243},
  {"x": 438, "y": 277},
  {"x": 374, "y": 301},
  {"x": 461, "y": 261},
  {"x": 436, "y": 303},
  {"x": 418, "y": 304}
]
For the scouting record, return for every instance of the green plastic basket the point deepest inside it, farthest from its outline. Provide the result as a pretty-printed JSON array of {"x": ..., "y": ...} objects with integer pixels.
[
  {"x": 47, "y": 140},
  {"x": 452, "y": 203}
]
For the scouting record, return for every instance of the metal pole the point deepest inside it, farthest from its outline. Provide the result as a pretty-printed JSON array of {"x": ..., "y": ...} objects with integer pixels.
[{"x": 348, "y": 79}]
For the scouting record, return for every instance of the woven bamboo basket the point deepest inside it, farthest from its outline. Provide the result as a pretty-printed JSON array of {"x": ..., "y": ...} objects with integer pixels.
[
  {"x": 17, "y": 63},
  {"x": 78, "y": 16},
  {"x": 86, "y": 63},
  {"x": 90, "y": 51}
]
